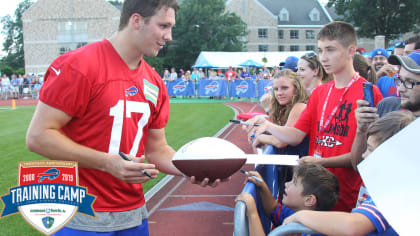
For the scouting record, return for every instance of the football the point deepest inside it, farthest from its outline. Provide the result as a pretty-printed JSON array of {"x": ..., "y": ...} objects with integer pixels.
[{"x": 209, "y": 157}]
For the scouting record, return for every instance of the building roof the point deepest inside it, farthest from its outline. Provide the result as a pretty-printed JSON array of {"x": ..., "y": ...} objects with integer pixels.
[{"x": 298, "y": 11}]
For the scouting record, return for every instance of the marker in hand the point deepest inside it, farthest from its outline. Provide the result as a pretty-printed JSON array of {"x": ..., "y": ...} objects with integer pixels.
[
  {"x": 125, "y": 157},
  {"x": 241, "y": 122},
  {"x": 254, "y": 177}
]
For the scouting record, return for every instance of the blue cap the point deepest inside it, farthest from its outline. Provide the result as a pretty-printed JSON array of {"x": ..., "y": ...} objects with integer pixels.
[
  {"x": 290, "y": 63},
  {"x": 380, "y": 51}
]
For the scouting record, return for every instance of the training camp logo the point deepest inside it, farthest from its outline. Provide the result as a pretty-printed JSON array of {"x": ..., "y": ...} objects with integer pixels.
[{"x": 48, "y": 195}]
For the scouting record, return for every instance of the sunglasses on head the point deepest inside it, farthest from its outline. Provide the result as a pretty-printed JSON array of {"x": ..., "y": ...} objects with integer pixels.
[
  {"x": 310, "y": 55},
  {"x": 399, "y": 44}
]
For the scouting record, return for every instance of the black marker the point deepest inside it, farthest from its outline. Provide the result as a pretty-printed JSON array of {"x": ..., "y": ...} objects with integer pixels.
[
  {"x": 254, "y": 177},
  {"x": 125, "y": 157},
  {"x": 241, "y": 122}
]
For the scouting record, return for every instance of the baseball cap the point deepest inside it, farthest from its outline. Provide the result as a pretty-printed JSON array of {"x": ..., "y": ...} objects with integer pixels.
[
  {"x": 410, "y": 62},
  {"x": 290, "y": 63},
  {"x": 380, "y": 51},
  {"x": 362, "y": 49}
]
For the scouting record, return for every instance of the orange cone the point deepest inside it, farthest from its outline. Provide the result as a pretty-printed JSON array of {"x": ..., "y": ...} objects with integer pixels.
[{"x": 13, "y": 104}]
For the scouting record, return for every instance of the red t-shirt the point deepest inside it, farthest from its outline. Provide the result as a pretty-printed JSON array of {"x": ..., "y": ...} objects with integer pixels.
[
  {"x": 112, "y": 108},
  {"x": 339, "y": 134},
  {"x": 230, "y": 74}
]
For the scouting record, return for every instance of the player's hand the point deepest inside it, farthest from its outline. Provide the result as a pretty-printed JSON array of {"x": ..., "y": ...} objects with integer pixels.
[
  {"x": 130, "y": 171},
  {"x": 365, "y": 115},
  {"x": 206, "y": 182}
]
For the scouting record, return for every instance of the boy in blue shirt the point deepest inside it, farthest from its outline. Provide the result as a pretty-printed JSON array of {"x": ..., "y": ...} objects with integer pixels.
[{"x": 312, "y": 188}]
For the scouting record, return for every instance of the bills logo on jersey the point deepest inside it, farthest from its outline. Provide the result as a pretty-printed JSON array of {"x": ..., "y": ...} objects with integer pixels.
[
  {"x": 131, "y": 91},
  {"x": 48, "y": 195}
]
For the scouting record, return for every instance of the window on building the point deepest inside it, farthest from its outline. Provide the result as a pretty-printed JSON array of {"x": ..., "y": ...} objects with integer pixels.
[
  {"x": 262, "y": 48},
  {"x": 64, "y": 49},
  {"x": 284, "y": 15},
  {"x": 310, "y": 47},
  {"x": 72, "y": 34},
  {"x": 294, "y": 34},
  {"x": 310, "y": 34},
  {"x": 294, "y": 48},
  {"x": 281, "y": 48},
  {"x": 314, "y": 15},
  {"x": 81, "y": 44},
  {"x": 262, "y": 33},
  {"x": 280, "y": 34}
]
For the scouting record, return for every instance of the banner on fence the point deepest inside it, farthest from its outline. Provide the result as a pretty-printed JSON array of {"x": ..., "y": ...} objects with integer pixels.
[
  {"x": 180, "y": 87},
  {"x": 264, "y": 87},
  {"x": 242, "y": 88},
  {"x": 212, "y": 88}
]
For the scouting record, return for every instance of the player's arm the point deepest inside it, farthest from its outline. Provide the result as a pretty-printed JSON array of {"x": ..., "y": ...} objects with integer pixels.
[
  {"x": 158, "y": 152},
  {"x": 333, "y": 222},
  {"x": 44, "y": 137}
]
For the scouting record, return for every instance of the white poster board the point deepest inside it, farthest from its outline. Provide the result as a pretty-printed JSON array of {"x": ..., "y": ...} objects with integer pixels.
[{"x": 392, "y": 176}]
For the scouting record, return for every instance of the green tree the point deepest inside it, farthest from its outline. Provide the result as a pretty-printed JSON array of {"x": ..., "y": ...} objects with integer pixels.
[
  {"x": 116, "y": 3},
  {"x": 204, "y": 26},
  {"x": 379, "y": 17},
  {"x": 13, "y": 43}
]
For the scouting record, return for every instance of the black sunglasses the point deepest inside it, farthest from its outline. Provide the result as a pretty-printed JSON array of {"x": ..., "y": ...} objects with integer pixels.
[{"x": 407, "y": 85}]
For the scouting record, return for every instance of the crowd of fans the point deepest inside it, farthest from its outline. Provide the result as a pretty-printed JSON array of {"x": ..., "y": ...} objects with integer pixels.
[
  {"x": 20, "y": 86},
  {"x": 395, "y": 76}
]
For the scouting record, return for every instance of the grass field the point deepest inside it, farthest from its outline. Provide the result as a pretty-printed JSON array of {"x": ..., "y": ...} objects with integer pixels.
[{"x": 187, "y": 122}]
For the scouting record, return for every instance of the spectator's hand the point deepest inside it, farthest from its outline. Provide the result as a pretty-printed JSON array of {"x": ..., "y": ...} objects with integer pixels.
[
  {"x": 254, "y": 131},
  {"x": 386, "y": 70},
  {"x": 260, "y": 141},
  {"x": 365, "y": 115},
  {"x": 206, "y": 182},
  {"x": 290, "y": 219},
  {"x": 309, "y": 159},
  {"x": 257, "y": 183},
  {"x": 251, "y": 207},
  {"x": 130, "y": 171}
]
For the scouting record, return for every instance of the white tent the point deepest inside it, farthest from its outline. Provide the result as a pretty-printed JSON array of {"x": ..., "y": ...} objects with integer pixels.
[{"x": 226, "y": 59}]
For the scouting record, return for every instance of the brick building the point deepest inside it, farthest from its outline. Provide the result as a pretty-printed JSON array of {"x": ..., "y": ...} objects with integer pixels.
[
  {"x": 53, "y": 27},
  {"x": 281, "y": 25}
]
